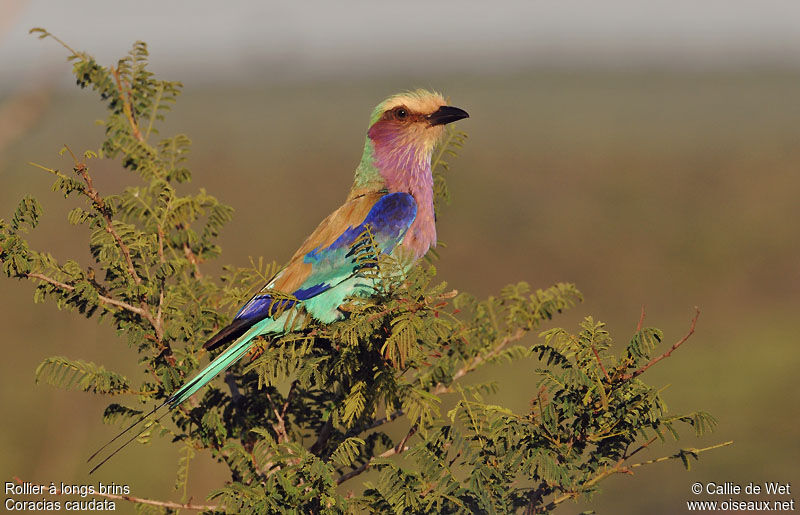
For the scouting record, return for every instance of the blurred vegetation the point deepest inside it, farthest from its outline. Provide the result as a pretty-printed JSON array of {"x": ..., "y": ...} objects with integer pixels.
[{"x": 677, "y": 189}]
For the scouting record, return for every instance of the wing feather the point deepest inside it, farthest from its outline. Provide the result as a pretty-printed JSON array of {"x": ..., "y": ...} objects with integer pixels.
[{"x": 324, "y": 259}]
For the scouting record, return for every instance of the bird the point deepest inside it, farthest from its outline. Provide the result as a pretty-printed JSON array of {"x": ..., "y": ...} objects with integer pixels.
[{"x": 391, "y": 197}]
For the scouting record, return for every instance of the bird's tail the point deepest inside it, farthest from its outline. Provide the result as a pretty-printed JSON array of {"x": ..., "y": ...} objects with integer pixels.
[{"x": 231, "y": 355}]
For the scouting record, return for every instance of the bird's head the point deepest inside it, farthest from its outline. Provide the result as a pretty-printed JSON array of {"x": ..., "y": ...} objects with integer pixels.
[
  {"x": 403, "y": 131},
  {"x": 413, "y": 120}
]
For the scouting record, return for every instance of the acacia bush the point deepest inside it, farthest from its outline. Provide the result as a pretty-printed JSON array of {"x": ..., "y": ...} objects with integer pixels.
[{"x": 298, "y": 421}]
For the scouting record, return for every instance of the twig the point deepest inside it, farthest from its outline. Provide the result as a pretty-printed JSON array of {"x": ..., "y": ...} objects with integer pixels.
[
  {"x": 402, "y": 445},
  {"x": 365, "y": 466},
  {"x": 187, "y": 251},
  {"x": 102, "y": 298},
  {"x": 682, "y": 451},
  {"x": 94, "y": 196},
  {"x": 46, "y": 34},
  {"x": 322, "y": 438},
  {"x": 126, "y": 106},
  {"x": 151, "y": 502},
  {"x": 671, "y": 349},
  {"x": 641, "y": 320},
  {"x": 558, "y": 500},
  {"x": 475, "y": 362},
  {"x": 619, "y": 469},
  {"x": 90, "y": 191},
  {"x": 597, "y": 355},
  {"x": 397, "y": 449},
  {"x": 280, "y": 426},
  {"x": 288, "y": 398},
  {"x": 381, "y": 421},
  {"x": 155, "y": 109},
  {"x": 641, "y": 447}
]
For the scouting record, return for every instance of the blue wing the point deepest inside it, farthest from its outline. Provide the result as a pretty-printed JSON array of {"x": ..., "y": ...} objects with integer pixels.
[{"x": 327, "y": 259}]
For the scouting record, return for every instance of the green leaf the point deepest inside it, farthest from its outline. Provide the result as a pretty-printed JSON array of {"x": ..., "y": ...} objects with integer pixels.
[{"x": 68, "y": 374}]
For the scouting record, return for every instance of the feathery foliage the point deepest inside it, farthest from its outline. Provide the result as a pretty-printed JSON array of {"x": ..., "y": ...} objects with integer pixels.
[{"x": 303, "y": 417}]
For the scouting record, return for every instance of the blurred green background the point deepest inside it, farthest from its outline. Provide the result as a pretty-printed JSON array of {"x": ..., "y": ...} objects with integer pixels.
[{"x": 664, "y": 186}]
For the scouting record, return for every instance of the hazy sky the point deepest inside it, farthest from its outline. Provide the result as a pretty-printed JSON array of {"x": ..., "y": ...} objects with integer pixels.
[{"x": 303, "y": 39}]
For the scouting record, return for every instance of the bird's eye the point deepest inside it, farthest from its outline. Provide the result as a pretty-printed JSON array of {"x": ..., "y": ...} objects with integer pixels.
[{"x": 401, "y": 114}]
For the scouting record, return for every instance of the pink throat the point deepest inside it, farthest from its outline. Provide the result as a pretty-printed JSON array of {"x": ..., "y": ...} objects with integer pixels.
[{"x": 406, "y": 166}]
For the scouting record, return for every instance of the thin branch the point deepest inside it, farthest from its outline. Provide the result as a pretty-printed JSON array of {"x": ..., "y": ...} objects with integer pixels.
[
  {"x": 641, "y": 447},
  {"x": 323, "y": 437},
  {"x": 45, "y": 34},
  {"x": 126, "y": 106},
  {"x": 94, "y": 196},
  {"x": 597, "y": 355},
  {"x": 101, "y": 207},
  {"x": 558, "y": 500},
  {"x": 154, "y": 111},
  {"x": 478, "y": 360},
  {"x": 384, "y": 420},
  {"x": 365, "y": 466},
  {"x": 671, "y": 349},
  {"x": 402, "y": 445},
  {"x": 151, "y": 502},
  {"x": 641, "y": 320},
  {"x": 443, "y": 147},
  {"x": 619, "y": 469},
  {"x": 400, "y": 448},
  {"x": 285, "y": 407},
  {"x": 678, "y": 455},
  {"x": 158, "y": 324},
  {"x": 104, "y": 299},
  {"x": 280, "y": 426},
  {"x": 190, "y": 255}
]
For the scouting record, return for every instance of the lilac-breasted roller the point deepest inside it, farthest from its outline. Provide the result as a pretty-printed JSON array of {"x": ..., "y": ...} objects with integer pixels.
[{"x": 392, "y": 197}]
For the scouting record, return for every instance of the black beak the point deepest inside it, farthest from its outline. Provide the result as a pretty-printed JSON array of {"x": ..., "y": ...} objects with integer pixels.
[{"x": 446, "y": 114}]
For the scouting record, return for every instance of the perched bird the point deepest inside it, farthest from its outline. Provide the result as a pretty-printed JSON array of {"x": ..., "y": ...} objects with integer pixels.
[{"x": 392, "y": 197}]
